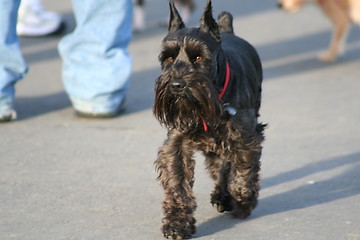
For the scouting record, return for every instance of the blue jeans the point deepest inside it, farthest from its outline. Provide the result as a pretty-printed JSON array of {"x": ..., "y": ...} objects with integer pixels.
[
  {"x": 12, "y": 64},
  {"x": 96, "y": 64}
]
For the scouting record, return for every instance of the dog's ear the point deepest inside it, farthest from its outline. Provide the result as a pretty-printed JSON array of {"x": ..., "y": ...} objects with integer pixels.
[
  {"x": 175, "y": 22},
  {"x": 208, "y": 23}
]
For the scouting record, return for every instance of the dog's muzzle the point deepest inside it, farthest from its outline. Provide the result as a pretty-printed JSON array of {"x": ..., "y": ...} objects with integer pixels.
[{"x": 177, "y": 86}]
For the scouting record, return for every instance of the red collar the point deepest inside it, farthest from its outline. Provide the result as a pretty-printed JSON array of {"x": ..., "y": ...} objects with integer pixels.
[
  {"x": 227, "y": 80},
  {"x": 221, "y": 94}
]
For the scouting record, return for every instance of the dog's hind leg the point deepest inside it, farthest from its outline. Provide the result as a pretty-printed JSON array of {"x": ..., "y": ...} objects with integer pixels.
[
  {"x": 176, "y": 174},
  {"x": 221, "y": 198},
  {"x": 219, "y": 171}
]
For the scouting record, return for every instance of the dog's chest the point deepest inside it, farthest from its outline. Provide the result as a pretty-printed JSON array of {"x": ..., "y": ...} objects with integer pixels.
[{"x": 216, "y": 141}]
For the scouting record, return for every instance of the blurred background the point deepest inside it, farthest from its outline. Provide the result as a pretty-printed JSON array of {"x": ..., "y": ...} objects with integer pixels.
[{"x": 62, "y": 177}]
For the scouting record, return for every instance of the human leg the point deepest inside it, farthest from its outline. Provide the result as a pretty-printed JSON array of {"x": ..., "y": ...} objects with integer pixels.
[
  {"x": 12, "y": 64},
  {"x": 96, "y": 63}
]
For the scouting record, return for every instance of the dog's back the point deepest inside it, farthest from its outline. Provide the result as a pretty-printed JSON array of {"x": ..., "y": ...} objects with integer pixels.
[{"x": 244, "y": 61}]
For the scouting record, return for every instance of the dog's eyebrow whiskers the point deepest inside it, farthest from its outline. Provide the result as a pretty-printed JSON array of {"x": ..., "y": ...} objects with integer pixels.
[
  {"x": 195, "y": 48},
  {"x": 171, "y": 44},
  {"x": 191, "y": 41}
]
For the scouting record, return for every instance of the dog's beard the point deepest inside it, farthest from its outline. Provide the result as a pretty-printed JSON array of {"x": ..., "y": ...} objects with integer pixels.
[{"x": 185, "y": 111}]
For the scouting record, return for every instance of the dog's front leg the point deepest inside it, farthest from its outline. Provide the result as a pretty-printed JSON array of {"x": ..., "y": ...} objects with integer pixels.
[
  {"x": 244, "y": 182},
  {"x": 176, "y": 174},
  {"x": 244, "y": 176}
]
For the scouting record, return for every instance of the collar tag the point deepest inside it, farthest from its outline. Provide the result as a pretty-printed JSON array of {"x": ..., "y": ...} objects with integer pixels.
[{"x": 230, "y": 110}]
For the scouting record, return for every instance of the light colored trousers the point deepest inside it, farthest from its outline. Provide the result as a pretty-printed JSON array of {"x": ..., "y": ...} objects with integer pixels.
[{"x": 96, "y": 64}]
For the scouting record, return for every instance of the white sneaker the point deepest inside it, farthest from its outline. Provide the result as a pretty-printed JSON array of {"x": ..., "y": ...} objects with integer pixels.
[
  {"x": 7, "y": 114},
  {"x": 139, "y": 19},
  {"x": 35, "y": 21}
]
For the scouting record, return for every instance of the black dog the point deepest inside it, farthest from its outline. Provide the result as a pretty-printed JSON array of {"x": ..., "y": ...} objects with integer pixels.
[{"x": 208, "y": 96}]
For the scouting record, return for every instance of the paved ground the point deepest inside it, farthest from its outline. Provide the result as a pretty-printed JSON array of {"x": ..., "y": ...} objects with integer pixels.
[{"x": 62, "y": 177}]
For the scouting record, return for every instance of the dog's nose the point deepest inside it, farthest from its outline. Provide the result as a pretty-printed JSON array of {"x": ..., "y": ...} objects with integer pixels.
[
  {"x": 177, "y": 86},
  {"x": 280, "y": 5}
]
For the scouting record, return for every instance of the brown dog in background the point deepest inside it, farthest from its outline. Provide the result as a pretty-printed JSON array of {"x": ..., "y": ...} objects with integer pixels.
[{"x": 340, "y": 13}]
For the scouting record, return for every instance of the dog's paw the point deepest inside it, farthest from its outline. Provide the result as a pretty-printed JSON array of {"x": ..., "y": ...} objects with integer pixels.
[
  {"x": 242, "y": 209},
  {"x": 327, "y": 57},
  {"x": 222, "y": 202},
  {"x": 179, "y": 229}
]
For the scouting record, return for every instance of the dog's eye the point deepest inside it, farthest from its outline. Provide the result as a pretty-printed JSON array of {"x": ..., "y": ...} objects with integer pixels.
[
  {"x": 199, "y": 59},
  {"x": 170, "y": 59}
]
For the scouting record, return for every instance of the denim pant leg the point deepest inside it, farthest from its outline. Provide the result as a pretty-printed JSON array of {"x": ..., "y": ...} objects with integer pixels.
[
  {"x": 96, "y": 63},
  {"x": 12, "y": 64}
]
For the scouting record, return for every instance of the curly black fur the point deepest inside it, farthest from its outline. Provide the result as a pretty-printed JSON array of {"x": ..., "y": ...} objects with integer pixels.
[{"x": 193, "y": 64}]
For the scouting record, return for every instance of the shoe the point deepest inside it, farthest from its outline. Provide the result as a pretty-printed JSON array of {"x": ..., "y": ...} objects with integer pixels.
[
  {"x": 111, "y": 114},
  {"x": 139, "y": 19},
  {"x": 35, "y": 21},
  {"x": 7, "y": 115}
]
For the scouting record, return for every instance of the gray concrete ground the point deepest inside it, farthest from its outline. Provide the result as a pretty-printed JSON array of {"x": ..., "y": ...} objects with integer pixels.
[{"x": 62, "y": 177}]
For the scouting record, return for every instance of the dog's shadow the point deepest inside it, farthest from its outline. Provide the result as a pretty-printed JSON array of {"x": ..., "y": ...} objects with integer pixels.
[
  {"x": 217, "y": 224},
  {"x": 313, "y": 193},
  {"x": 343, "y": 185}
]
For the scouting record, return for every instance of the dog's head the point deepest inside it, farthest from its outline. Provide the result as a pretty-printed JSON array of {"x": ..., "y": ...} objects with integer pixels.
[
  {"x": 291, "y": 5},
  {"x": 185, "y": 91}
]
